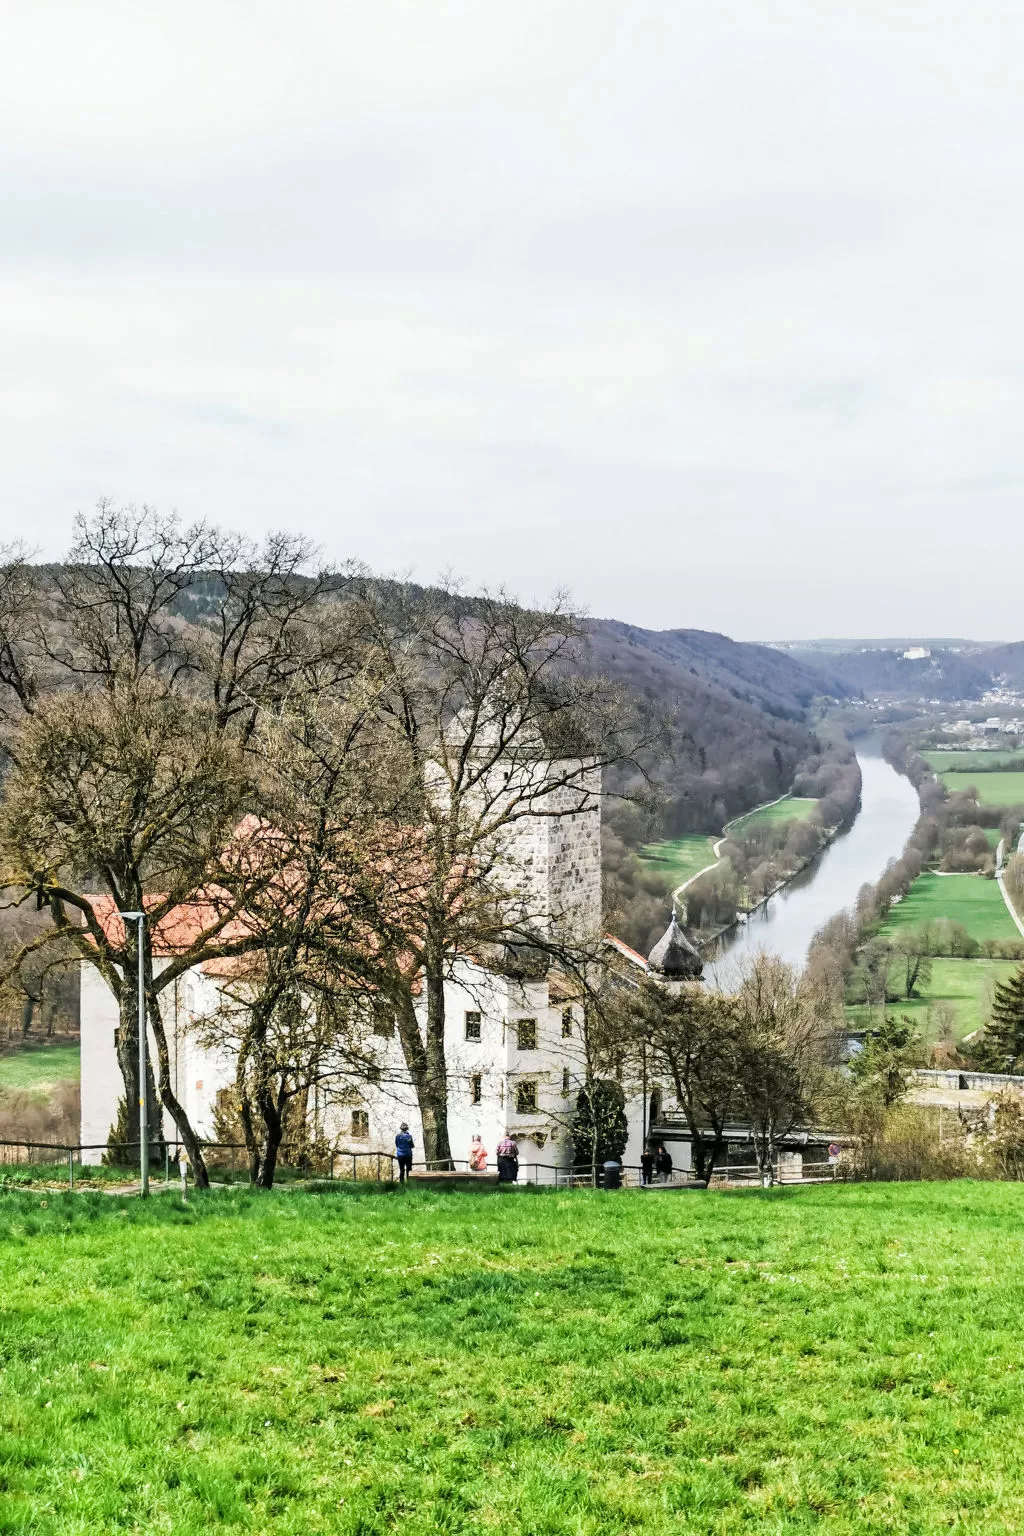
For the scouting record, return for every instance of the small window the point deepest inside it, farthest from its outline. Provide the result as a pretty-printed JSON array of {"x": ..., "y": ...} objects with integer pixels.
[
  {"x": 373, "y": 1073},
  {"x": 476, "y": 1088},
  {"x": 383, "y": 1025},
  {"x": 526, "y": 1098},
  {"x": 565, "y": 1082},
  {"x": 566, "y": 1023},
  {"x": 472, "y": 1026},
  {"x": 526, "y": 1034},
  {"x": 360, "y": 1125}
]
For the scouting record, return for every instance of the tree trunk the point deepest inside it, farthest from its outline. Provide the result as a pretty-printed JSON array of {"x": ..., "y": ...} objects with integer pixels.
[
  {"x": 273, "y": 1126},
  {"x": 427, "y": 1070},
  {"x": 28, "y": 1013},
  {"x": 436, "y": 1146},
  {"x": 128, "y": 1061},
  {"x": 176, "y": 1110}
]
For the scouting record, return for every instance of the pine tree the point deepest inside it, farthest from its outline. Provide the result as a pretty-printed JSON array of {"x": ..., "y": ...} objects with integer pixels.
[{"x": 1001, "y": 1048}]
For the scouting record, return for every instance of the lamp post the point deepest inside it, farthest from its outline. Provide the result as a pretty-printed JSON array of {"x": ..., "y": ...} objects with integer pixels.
[{"x": 140, "y": 918}]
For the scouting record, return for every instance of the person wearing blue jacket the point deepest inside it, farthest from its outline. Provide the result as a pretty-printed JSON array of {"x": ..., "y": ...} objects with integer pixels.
[{"x": 403, "y": 1149}]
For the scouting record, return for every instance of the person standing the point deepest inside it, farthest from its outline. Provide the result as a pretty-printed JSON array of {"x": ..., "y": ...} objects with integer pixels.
[
  {"x": 477, "y": 1156},
  {"x": 403, "y": 1151},
  {"x": 508, "y": 1161},
  {"x": 663, "y": 1164},
  {"x": 646, "y": 1165}
]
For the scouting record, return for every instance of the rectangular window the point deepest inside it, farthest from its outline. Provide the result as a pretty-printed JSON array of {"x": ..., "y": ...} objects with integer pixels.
[
  {"x": 526, "y": 1098},
  {"x": 383, "y": 1025},
  {"x": 472, "y": 1026},
  {"x": 360, "y": 1125},
  {"x": 566, "y": 1023},
  {"x": 526, "y": 1034},
  {"x": 565, "y": 1082},
  {"x": 476, "y": 1088}
]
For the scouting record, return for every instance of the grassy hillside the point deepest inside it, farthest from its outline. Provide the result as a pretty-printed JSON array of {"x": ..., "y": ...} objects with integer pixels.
[
  {"x": 792, "y": 808},
  {"x": 40, "y": 1067},
  {"x": 836, "y": 1360},
  {"x": 678, "y": 858}
]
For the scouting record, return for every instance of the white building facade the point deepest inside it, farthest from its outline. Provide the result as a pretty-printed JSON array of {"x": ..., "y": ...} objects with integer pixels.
[{"x": 514, "y": 1049}]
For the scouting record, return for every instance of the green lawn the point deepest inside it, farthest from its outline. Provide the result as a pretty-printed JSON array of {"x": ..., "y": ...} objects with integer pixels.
[
  {"x": 40, "y": 1067},
  {"x": 679, "y": 857},
  {"x": 966, "y": 985},
  {"x": 830, "y": 1360},
  {"x": 971, "y": 900},
  {"x": 793, "y": 808},
  {"x": 993, "y": 788},
  {"x": 968, "y": 762}
]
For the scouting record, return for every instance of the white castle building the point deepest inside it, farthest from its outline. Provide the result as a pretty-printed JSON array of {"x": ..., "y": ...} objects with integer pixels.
[{"x": 514, "y": 1048}]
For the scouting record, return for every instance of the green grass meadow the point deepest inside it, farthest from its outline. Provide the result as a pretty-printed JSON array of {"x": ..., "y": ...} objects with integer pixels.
[
  {"x": 835, "y": 1360},
  {"x": 993, "y": 788},
  {"x": 793, "y": 808},
  {"x": 971, "y": 900},
  {"x": 968, "y": 762},
  {"x": 38, "y": 1068},
  {"x": 966, "y": 985},
  {"x": 679, "y": 858}
]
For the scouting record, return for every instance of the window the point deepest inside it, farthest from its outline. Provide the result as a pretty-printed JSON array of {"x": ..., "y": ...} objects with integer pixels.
[
  {"x": 360, "y": 1125},
  {"x": 372, "y": 1073},
  {"x": 566, "y": 1023},
  {"x": 472, "y": 1026},
  {"x": 526, "y": 1034},
  {"x": 476, "y": 1088},
  {"x": 565, "y": 1082},
  {"x": 526, "y": 1098},
  {"x": 383, "y": 1025}
]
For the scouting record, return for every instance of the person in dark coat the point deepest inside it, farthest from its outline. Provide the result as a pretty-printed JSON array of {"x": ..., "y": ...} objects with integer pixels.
[
  {"x": 646, "y": 1165},
  {"x": 663, "y": 1164},
  {"x": 403, "y": 1151},
  {"x": 508, "y": 1161}
]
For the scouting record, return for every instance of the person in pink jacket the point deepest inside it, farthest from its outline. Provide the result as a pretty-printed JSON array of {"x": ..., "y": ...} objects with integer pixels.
[{"x": 478, "y": 1156}]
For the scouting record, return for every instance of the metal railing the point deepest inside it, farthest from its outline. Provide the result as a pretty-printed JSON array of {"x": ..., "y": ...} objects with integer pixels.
[{"x": 225, "y": 1162}]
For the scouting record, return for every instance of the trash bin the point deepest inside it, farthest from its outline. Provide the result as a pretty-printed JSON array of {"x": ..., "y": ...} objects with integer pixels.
[{"x": 612, "y": 1175}]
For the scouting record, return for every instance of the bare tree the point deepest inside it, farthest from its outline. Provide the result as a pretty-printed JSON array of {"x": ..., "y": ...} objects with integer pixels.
[
  {"x": 504, "y": 733},
  {"x": 132, "y": 679},
  {"x": 788, "y": 1034}
]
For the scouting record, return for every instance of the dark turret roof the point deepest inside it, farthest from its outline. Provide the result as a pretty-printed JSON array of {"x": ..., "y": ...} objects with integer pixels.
[{"x": 674, "y": 956}]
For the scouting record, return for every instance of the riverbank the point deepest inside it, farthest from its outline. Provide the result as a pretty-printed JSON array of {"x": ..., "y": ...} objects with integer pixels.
[{"x": 856, "y": 856}]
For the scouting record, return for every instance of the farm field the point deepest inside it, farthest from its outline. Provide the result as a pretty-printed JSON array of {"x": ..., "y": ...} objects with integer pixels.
[
  {"x": 965, "y": 985},
  {"x": 834, "y": 1360},
  {"x": 39, "y": 1068},
  {"x": 971, "y": 900},
  {"x": 679, "y": 858},
  {"x": 968, "y": 762},
  {"x": 793, "y": 808},
  {"x": 993, "y": 788}
]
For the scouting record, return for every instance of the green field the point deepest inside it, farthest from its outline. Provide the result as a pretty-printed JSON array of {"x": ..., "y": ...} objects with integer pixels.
[
  {"x": 39, "y": 1068},
  {"x": 833, "y": 1360},
  {"x": 968, "y": 762},
  {"x": 966, "y": 985},
  {"x": 970, "y": 900},
  {"x": 679, "y": 858},
  {"x": 993, "y": 788},
  {"x": 793, "y": 808}
]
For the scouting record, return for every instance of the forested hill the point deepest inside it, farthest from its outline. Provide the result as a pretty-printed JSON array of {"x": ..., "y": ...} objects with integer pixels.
[
  {"x": 774, "y": 681},
  {"x": 944, "y": 674}
]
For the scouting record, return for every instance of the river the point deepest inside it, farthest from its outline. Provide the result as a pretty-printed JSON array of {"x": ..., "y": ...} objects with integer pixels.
[{"x": 789, "y": 920}]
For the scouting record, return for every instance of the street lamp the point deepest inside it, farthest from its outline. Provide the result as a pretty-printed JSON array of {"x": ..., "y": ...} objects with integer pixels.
[{"x": 140, "y": 918}]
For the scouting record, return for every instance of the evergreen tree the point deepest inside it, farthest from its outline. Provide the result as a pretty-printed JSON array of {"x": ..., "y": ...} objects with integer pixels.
[
  {"x": 599, "y": 1127},
  {"x": 1001, "y": 1047}
]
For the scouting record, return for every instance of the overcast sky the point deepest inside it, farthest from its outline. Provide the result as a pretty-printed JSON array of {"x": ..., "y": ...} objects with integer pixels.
[{"x": 711, "y": 312}]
